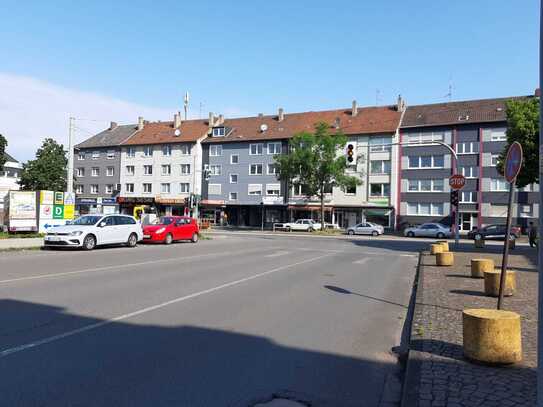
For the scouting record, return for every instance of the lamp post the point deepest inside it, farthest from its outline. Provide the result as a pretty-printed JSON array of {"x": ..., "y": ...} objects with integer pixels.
[{"x": 262, "y": 213}]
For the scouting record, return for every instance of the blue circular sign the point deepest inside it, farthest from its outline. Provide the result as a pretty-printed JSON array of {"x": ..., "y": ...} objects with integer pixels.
[{"x": 513, "y": 162}]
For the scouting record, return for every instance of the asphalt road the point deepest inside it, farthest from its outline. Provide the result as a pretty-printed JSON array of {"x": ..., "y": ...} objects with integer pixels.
[{"x": 225, "y": 322}]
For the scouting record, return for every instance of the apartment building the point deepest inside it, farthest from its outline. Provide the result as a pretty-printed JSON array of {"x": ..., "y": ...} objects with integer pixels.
[
  {"x": 9, "y": 178},
  {"x": 97, "y": 168},
  {"x": 476, "y": 130},
  {"x": 161, "y": 165}
]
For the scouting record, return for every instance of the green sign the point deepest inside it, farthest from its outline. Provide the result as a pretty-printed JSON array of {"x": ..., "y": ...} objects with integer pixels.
[{"x": 58, "y": 211}]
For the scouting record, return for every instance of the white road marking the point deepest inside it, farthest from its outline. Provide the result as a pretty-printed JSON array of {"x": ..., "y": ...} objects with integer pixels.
[
  {"x": 126, "y": 265},
  {"x": 361, "y": 261},
  {"x": 277, "y": 254},
  {"x": 90, "y": 327}
]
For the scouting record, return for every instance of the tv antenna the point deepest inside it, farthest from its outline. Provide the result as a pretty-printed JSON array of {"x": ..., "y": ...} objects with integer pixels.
[
  {"x": 186, "y": 104},
  {"x": 450, "y": 93},
  {"x": 378, "y": 97}
]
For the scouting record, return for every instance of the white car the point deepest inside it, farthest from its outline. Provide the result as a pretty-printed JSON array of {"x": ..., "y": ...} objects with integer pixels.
[
  {"x": 90, "y": 231},
  {"x": 306, "y": 225},
  {"x": 366, "y": 228},
  {"x": 428, "y": 230}
]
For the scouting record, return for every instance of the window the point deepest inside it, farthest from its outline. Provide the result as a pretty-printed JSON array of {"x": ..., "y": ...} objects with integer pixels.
[
  {"x": 110, "y": 171},
  {"x": 95, "y": 155},
  {"x": 498, "y": 184},
  {"x": 255, "y": 189},
  {"x": 131, "y": 152},
  {"x": 130, "y": 170},
  {"x": 274, "y": 148},
  {"x": 469, "y": 172},
  {"x": 350, "y": 190},
  {"x": 425, "y": 209},
  {"x": 468, "y": 197},
  {"x": 129, "y": 188},
  {"x": 233, "y": 178},
  {"x": 425, "y": 137},
  {"x": 273, "y": 189},
  {"x": 79, "y": 189},
  {"x": 184, "y": 149},
  {"x": 147, "y": 188},
  {"x": 494, "y": 159},
  {"x": 380, "y": 144},
  {"x": 165, "y": 188},
  {"x": 426, "y": 185},
  {"x": 81, "y": 156},
  {"x": 148, "y": 151},
  {"x": 215, "y": 151},
  {"x": 425, "y": 161},
  {"x": 166, "y": 150},
  {"x": 380, "y": 190},
  {"x": 110, "y": 154},
  {"x": 380, "y": 167},
  {"x": 80, "y": 172},
  {"x": 215, "y": 170},
  {"x": 525, "y": 211},
  {"x": 528, "y": 188},
  {"x": 233, "y": 196},
  {"x": 218, "y": 132},
  {"x": 272, "y": 169},
  {"x": 109, "y": 188},
  {"x": 498, "y": 134},
  {"x": 94, "y": 189},
  {"x": 147, "y": 170},
  {"x": 166, "y": 169},
  {"x": 256, "y": 149},
  {"x": 255, "y": 169},
  {"x": 234, "y": 159},
  {"x": 185, "y": 169},
  {"x": 214, "y": 189},
  {"x": 184, "y": 187},
  {"x": 95, "y": 171},
  {"x": 467, "y": 148}
]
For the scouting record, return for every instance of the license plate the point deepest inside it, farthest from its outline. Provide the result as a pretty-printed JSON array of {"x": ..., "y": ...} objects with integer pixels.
[
  {"x": 146, "y": 236},
  {"x": 52, "y": 238}
]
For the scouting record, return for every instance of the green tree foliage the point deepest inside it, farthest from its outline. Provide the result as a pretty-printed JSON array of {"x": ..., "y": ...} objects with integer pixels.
[
  {"x": 523, "y": 126},
  {"x": 3, "y": 145},
  {"x": 313, "y": 163},
  {"x": 47, "y": 170}
]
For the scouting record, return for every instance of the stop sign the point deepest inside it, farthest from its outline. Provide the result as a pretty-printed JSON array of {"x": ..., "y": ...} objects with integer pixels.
[{"x": 457, "y": 181}]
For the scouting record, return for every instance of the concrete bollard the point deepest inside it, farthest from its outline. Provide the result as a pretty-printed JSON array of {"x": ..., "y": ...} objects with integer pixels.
[
  {"x": 445, "y": 245},
  {"x": 445, "y": 259},
  {"x": 479, "y": 266},
  {"x": 492, "y": 283},
  {"x": 436, "y": 248},
  {"x": 492, "y": 336}
]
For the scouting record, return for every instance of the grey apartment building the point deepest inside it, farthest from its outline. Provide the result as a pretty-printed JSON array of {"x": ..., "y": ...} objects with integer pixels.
[
  {"x": 97, "y": 164},
  {"x": 476, "y": 130}
]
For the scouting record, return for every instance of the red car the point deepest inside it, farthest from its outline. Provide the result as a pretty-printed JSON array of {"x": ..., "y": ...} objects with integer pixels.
[{"x": 168, "y": 229}]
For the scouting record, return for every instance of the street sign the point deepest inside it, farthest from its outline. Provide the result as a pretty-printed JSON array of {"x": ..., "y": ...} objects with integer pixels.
[
  {"x": 513, "y": 162},
  {"x": 457, "y": 181}
]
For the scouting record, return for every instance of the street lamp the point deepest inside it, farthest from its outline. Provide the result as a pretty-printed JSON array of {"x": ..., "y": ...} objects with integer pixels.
[{"x": 262, "y": 213}]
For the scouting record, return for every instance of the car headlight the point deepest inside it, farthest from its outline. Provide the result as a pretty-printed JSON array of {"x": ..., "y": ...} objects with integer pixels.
[
  {"x": 76, "y": 233},
  {"x": 161, "y": 230}
]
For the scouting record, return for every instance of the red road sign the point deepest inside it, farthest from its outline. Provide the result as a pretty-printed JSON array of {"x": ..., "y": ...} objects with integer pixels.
[
  {"x": 513, "y": 162},
  {"x": 457, "y": 181}
]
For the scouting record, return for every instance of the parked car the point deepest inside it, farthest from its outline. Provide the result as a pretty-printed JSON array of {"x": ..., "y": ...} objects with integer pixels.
[
  {"x": 493, "y": 232},
  {"x": 168, "y": 229},
  {"x": 90, "y": 231},
  {"x": 366, "y": 228},
  {"x": 428, "y": 230},
  {"x": 306, "y": 225}
]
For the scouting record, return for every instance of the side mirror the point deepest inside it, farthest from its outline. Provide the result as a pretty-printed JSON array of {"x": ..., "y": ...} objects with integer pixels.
[{"x": 101, "y": 224}]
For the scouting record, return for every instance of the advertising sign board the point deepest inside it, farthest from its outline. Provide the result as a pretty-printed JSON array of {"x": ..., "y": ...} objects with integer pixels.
[
  {"x": 59, "y": 198},
  {"x": 47, "y": 197},
  {"x": 58, "y": 211}
]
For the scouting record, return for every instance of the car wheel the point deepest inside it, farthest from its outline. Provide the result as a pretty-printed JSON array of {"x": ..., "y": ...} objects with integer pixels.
[
  {"x": 168, "y": 239},
  {"x": 440, "y": 235},
  {"x": 310, "y": 230},
  {"x": 375, "y": 233},
  {"x": 89, "y": 243},
  {"x": 350, "y": 232},
  {"x": 410, "y": 234},
  {"x": 287, "y": 229},
  {"x": 194, "y": 238},
  {"x": 132, "y": 240}
]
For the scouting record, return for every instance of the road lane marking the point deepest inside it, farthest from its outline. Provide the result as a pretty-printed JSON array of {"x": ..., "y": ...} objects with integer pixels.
[
  {"x": 361, "y": 261},
  {"x": 277, "y": 254},
  {"x": 44, "y": 341},
  {"x": 117, "y": 266}
]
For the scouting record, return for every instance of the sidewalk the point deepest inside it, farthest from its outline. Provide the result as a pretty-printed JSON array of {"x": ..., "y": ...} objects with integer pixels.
[
  {"x": 17, "y": 243},
  {"x": 437, "y": 374}
]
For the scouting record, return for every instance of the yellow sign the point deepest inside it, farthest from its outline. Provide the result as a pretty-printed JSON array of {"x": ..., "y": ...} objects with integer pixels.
[
  {"x": 69, "y": 211},
  {"x": 47, "y": 197}
]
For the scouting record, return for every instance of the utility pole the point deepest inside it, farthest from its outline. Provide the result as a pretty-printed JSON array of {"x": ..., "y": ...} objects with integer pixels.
[{"x": 70, "y": 180}]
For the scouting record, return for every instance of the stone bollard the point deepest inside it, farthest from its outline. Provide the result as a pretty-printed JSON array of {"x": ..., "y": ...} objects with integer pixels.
[
  {"x": 479, "y": 266},
  {"x": 445, "y": 245},
  {"x": 445, "y": 259},
  {"x": 492, "y": 336},
  {"x": 492, "y": 283},
  {"x": 436, "y": 248}
]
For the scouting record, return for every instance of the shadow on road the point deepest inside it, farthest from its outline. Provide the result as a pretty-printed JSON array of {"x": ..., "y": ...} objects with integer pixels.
[{"x": 344, "y": 291}]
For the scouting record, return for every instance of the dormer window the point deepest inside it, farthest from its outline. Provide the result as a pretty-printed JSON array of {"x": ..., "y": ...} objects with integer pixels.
[{"x": 218, "y": 131}]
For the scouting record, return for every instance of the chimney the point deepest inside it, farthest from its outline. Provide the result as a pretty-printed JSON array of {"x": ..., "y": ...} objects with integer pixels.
[
  {"x": 336, "y": 122},
  {"x": 400, "y": 106},
  {"x": 112, "y": 125},
  {"x": 537, "y": 93},
  {"x": 211, "y": 121},
  {"x": 221, "y": 119},
  {"x": 140, "y": 123},
  {"x": 176, "y": 120},
  {"x": 280, "y": 115},
  {"x": 260, "y": 115},
  {"x": 355, "y": 109}
]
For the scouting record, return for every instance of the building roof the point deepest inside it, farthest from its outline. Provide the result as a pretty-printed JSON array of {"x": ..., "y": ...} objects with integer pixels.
[
  {"x": 109, "y": 137},
  {"x": 9, "y": 158},
  {"x": 164, "y": 132},
  {"x": 369, "y": 120},
  {"x": 463, "y": 112}
]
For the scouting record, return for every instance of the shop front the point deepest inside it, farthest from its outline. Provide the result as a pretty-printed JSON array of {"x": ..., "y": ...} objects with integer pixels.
[
  {"x": 346, "y": 217},
  {"x": 171, "y": 206},
  {"x": 127, "y": 204},
  {"x": 98, "y": 205}
]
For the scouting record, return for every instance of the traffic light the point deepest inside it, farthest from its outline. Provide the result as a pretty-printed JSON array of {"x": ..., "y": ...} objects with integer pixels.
[
  {"x": 454, "y": 198},
  {"x": 350, "y": 153}
]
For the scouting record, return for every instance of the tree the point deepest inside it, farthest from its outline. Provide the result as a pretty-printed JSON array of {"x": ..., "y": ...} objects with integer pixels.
[
  {"x": 314, "y": 165},
  {"x": 3, "y": 145},
  {"x": 48, "y": 170},
  {"x": 523, "y": 126}
]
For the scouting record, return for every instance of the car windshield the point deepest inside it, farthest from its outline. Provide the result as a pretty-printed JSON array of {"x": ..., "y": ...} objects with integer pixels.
[
  {"x": 164, "y": 220},
  {"x": 89, "y": 220}
]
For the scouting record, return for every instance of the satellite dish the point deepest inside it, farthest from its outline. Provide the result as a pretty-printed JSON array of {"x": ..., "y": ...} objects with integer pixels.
[
  {"x": 177, "y": 132},
  {"x": 263, "y": 127}
]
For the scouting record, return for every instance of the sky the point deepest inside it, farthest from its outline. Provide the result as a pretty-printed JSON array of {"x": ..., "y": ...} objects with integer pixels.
[{"x": 103, "y": 61}]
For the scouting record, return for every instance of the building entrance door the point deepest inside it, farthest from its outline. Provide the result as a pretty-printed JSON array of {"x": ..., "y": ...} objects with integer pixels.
[{"x": 467, "y": 221}]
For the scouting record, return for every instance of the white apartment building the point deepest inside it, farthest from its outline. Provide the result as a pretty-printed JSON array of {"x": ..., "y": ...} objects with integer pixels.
[{"x": 9, "y": 177}]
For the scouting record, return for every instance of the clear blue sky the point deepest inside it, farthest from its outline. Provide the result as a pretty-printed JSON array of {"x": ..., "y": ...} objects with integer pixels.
[{"x": 254, "y": 56}]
